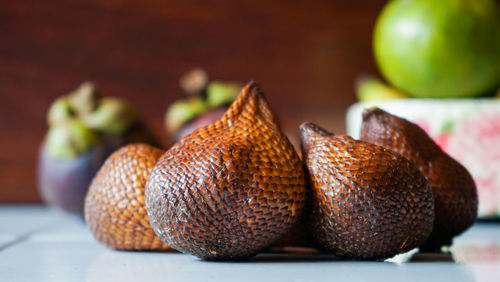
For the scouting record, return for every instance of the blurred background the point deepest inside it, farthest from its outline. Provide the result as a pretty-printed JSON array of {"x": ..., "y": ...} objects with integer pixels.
[{"x": 306, "y": 56}]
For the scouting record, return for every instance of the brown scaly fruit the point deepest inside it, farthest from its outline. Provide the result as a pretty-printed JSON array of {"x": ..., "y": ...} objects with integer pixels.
[
  {"x": 367, "y": 202},
  {"x": 115, "y": 211},
  {"x": 455, "y": 195},
  {"x": 296, "y": 240},
  {"x": 230, "y": 189}
]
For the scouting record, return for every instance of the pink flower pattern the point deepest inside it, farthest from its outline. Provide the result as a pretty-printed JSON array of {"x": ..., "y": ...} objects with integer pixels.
[{"x": 475, "y": 143}]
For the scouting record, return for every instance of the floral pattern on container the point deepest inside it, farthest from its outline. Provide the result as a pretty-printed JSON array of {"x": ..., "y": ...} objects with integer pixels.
[{"x": 474, "y": 141}]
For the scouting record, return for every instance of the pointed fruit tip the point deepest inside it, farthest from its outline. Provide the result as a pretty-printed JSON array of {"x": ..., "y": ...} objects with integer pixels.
[
  {"x": 312, "y": 128},
  {"x": 251, "y": 90},
  {"x": 371, "y": 112},
  {"x": 251, "y": 102},
  {"x": 308, "y": 131}
]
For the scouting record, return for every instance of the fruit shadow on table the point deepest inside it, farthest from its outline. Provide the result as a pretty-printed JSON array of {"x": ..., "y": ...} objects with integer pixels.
[{"x": 313, "y": 255}]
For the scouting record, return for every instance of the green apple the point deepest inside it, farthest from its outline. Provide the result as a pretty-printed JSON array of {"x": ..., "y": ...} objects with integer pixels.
[{"x": 439, "y": 48}]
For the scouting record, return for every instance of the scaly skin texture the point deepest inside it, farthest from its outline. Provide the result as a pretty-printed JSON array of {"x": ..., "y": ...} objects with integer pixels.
[
  {"x": 230, "y": 189},
  {"x": 455, "y": 195},
  {"x": 115, "y": 211},
  {"x": 367, "y": 202}
]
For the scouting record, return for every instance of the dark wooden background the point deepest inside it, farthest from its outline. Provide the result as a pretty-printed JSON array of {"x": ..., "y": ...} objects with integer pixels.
[{"x": 305, "y": 54}]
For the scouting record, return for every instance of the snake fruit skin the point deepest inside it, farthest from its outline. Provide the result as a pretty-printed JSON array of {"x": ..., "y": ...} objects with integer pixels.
[
  {"x": 115, "y": 211},
  {"x": 455, "y": 195},
  {"x": 230, "y": 189},
  {"x": 298, "y": 236},
  {"x": 367, "y": 202}
]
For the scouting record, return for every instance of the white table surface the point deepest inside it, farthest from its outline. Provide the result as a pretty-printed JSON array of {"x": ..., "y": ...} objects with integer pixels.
[{"x": 40, "y": 244}]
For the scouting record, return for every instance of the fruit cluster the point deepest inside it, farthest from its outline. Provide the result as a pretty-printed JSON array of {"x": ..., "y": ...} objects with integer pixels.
[{"x": 235, "y": 187}]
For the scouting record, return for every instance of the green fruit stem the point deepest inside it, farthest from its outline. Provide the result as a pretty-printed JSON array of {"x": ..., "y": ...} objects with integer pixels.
[
  {"x": 60, "y": 111},
  {"x": 111, "y": 116},
  {"x": 76, "y": 120},
  {"x": 69, "y": 139},
  {"x": 84, "y": 100}
]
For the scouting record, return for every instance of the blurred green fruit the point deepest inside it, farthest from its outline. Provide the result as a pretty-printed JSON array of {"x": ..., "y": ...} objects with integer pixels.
[
  {"x": 112, "y": 116},
  {"x": 371, "y": 89},
  {"x": 84, "y": 99},
  {"x": 183, "y": 111},
  {"x": 69, "y": 139},
  {"x": 439, "y": 48},
  {"x": 222, "y": 93},
  {"x": 60, "y": 111}
]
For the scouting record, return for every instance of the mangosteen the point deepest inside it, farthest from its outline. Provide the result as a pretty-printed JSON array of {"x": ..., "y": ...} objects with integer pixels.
[{"x": 84, "y": 129}]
